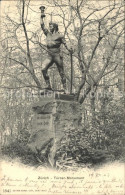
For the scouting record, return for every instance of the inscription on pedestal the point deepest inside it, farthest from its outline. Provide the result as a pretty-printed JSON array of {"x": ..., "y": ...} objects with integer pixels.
[{"x": 43, "y": 122}]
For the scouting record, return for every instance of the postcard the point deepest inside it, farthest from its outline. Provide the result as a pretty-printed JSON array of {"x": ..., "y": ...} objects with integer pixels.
[{"x": 62, "y": 97}]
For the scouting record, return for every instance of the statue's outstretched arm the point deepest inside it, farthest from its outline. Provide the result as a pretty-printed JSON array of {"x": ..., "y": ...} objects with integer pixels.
[{"x": 45, "y": 30}]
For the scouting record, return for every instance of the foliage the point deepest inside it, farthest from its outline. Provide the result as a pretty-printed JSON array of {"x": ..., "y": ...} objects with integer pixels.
[
  {"x": 93, "y": 144},
  {"x": 98, "y": 142},
  {"x": 17, "y": 148}
]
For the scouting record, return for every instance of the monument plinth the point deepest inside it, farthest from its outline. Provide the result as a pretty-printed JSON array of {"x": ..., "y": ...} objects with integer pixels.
[{"x": 53, "y": 116}]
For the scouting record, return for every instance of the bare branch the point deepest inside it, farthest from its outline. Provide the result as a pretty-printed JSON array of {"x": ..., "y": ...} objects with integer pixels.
[
  {"x": 28, "y": 49},
  {"x": 110, "y": 71}
]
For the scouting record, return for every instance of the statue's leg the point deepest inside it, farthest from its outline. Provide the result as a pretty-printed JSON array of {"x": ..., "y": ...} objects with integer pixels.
[
  {"x": 45, "y": 66},
  {"x": 59, "y": 62}
]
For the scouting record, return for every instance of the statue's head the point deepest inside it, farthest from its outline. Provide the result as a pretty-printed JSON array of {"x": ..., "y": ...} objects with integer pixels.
[{"x": 53, "y": 27}]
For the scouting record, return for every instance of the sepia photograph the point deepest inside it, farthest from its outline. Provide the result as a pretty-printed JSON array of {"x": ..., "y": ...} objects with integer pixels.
[{"x": 62, "y": 127}]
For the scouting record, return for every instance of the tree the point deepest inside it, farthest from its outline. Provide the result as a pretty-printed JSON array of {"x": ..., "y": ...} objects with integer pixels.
[{"x": 97, "y": 36}]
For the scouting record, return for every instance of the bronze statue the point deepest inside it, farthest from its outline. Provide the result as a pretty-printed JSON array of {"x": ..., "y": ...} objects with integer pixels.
[{"x": 54, "y": 41}]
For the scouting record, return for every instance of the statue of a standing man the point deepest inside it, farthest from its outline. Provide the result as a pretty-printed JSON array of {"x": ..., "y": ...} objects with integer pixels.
[{"x": 54, "y": 41}]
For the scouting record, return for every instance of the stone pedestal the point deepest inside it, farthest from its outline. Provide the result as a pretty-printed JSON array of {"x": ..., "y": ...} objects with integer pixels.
[{"x": 53, "y": 115}]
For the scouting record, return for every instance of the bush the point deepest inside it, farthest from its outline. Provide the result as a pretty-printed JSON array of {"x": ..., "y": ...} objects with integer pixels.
[
  {"x": 18, "y": 148},
  {"x": 100, "y": 141}
]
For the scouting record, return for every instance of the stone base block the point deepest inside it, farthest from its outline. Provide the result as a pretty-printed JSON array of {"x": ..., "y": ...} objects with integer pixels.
[{"x": 52, "y": 118}]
